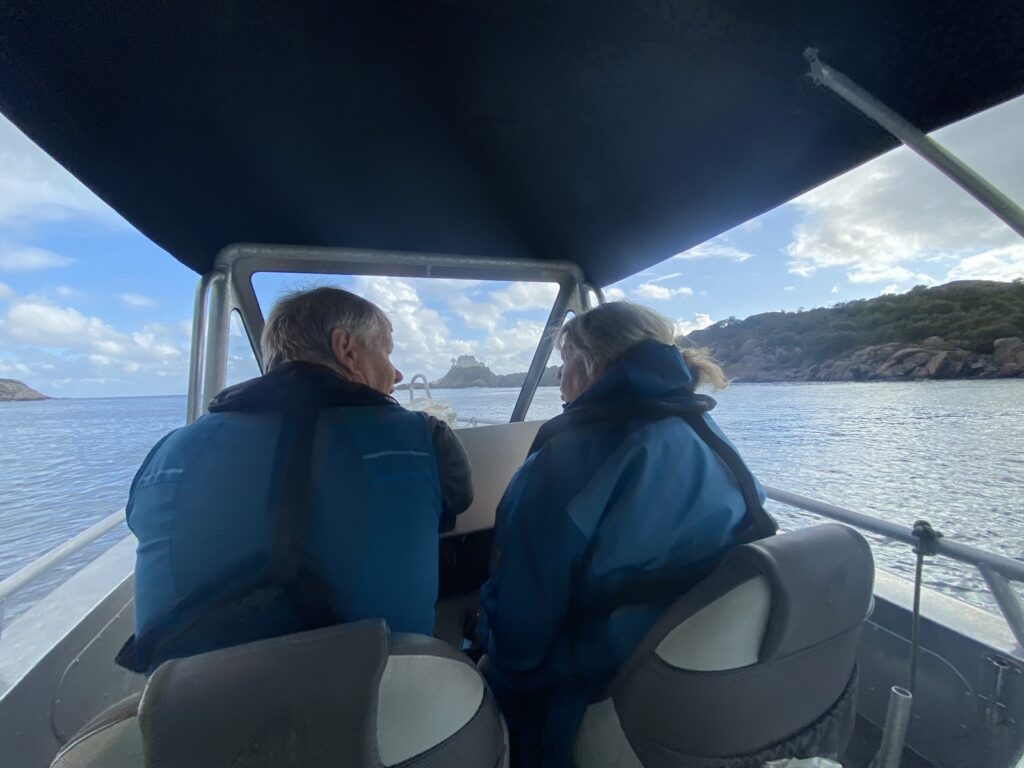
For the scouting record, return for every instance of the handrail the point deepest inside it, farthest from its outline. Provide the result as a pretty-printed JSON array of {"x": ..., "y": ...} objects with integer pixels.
[
  {"x": 964, "y": 553},
  {"x": 37, "y": 567},
  {"x": 474, "y": 421},
  {"x": 996, "y": 570}
]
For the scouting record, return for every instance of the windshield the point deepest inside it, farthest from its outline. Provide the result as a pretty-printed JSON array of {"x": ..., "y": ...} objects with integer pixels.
[{"x": 471, "y": 340}]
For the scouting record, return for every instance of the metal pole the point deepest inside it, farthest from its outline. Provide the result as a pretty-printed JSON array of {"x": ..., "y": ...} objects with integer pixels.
[
  {"x": 1007, "y": 600},
  {"x": 894, "y": 736},
  {"x": 196, "y": 353},
  {"x": 1006, "y": 566},
  {"x": 217, "y": 337},
  {"x": 33, "y": 570},
  {"x": 961, "y": 173},
  {"x": 543, "y": 352}
]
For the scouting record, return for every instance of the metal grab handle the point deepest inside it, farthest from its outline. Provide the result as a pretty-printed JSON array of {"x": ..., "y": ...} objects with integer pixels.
[
  {"x": 894, "y": 736},
  {"x": 412, "y": 386}
]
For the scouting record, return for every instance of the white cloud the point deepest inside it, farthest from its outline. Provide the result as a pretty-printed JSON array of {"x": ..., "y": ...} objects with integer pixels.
[
  {"x": 33, "y": 187},
  {"x": 67, "y": 292},
  {"x": 42, "y": 323},
  {"x": 420, "y": 334},
  {"x": 25, "y": 258},
  {"x": 614, "y": 294},
  {"x": 68, "y": 350},
  {"x": 6, "y": 292},
  {"x": 889, "y": 290},
  {"x": 700, "y": 320},
  {"x": 997, "y": 264},
  {"x": 835, "y": 289},
  {"x": 876, "y": 221},
  {"x": 137, "y": 300},
  {"x": 789, "y": 288},
  {"x": 520, "y": 297},
  {"x": 479, "y": 315},
  {"x": 660, "y": 292},
  {"x": 717, "y": 248},
  {"x": 665, "y": 277},
  {"x": 751, "y": 226}
]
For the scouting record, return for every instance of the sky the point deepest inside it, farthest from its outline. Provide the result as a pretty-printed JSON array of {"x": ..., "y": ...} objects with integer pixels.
[{"x": 91, "y": 308}]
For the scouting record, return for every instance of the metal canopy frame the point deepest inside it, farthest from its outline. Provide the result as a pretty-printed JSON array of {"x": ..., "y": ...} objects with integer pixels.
[
  {"x": 228, "y": 287},
  {"x": 952, "y": 166}
]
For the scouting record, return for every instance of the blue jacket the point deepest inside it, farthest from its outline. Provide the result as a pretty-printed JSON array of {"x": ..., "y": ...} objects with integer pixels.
[
  {"x": 597, "y": 505},
  {"x": 206, "y": 506}
]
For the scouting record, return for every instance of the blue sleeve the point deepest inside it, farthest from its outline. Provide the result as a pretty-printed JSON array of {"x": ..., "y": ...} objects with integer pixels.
[{"x": 537, "y": 548}]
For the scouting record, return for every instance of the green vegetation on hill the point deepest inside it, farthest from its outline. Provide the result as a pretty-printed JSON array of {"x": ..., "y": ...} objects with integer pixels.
[{"x": 964, "y": 318}]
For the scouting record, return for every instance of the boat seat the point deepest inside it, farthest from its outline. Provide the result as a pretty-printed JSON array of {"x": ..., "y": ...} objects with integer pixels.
[
  {"x": 755, "y": 663},
  {"x": 352, "y": 695}
]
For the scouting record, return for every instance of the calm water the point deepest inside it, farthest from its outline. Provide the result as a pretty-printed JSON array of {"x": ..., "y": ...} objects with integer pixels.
[{"x": 951, "y": 452}]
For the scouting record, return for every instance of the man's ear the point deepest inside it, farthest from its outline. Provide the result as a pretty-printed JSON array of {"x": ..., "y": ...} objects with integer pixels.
[{"x": 341, "y": 346}]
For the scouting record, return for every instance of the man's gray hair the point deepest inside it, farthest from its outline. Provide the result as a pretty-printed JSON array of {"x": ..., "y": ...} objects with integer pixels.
[{"x": 301, "y": 323}]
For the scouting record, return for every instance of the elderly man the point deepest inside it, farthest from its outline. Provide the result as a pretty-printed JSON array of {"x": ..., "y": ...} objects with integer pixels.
[{"x": 306, "y": 497}]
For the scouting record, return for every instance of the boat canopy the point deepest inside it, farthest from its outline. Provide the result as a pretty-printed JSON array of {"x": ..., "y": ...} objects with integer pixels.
[{"x": 612, "y": 133}]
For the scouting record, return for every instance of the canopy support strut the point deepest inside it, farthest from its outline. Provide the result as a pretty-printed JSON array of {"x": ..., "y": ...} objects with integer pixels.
[{"x": 966, "y": 177}]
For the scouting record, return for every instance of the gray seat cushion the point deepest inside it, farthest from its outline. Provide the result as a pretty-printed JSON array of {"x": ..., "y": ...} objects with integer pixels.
[
  {"x": 112, "y": 739},
  {"x": 349, "y": 695},
  {"x": 753, "y": 655}
]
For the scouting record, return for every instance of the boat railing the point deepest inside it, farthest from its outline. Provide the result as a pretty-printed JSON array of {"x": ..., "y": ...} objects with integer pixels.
[
  {"x": 997, "y": 570},
  {"x": 58, "y": 554},
  {"x": 476, "y": 421}
]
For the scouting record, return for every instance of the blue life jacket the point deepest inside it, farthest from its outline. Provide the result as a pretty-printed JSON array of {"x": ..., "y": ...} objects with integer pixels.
[
  {"x": 626, "y": 500},
  {"x": 300, "y": 501}
]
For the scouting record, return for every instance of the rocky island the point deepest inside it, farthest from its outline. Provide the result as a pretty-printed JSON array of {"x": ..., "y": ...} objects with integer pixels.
[
  {"x": 467, "y": 371},
  {"x": 12, "y": 389},
  {"x": 969, "y": 329}
]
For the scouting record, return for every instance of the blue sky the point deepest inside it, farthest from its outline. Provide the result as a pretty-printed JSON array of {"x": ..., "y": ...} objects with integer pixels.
[{"x": 91, "y": 308}]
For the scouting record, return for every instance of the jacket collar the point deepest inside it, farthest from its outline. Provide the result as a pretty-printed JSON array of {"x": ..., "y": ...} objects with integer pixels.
[
  {"x": 296, "y": 387},
  {"x": 648, "y": 370}
]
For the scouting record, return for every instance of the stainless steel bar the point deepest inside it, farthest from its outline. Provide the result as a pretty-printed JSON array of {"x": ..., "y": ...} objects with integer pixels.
[
  {"x": 940, "y": 157},
  {"x": 197, "y": 353},
  {"x": 1006, "y": 566},
  {"x": 36, "y": 568},
  {"x": 894, "y": 735},
  {"x": 475, "y": 421},
  {"x": 543, "y": 351},
  {"x": 217, "y": 336},
  {"x": 1007, "y": 600}
]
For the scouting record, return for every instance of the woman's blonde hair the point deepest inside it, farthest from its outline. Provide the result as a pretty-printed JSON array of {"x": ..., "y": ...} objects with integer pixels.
[{"x": 602, "y": 335}]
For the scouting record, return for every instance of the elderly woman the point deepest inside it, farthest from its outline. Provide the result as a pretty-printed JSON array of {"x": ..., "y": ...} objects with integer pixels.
[{"x": 626, "y": 500}]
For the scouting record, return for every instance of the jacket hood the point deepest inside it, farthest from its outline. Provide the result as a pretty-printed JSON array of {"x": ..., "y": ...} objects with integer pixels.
[
  {"x": 295, "y": 388},
  {"x": 648, "y": 370}
]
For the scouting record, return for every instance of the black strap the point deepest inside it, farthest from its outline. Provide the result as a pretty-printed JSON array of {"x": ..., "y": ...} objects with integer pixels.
[
  {"x": 762, "y": 521},
  {"x": 309, "y": 595}
]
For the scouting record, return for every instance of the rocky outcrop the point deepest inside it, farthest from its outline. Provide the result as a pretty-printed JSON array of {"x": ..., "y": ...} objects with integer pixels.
[
  {"x": 468, "y": 372},
  {"x": 1009, "y": 356},
  {"x": 932, "y": 359},
  {"x": 12, "y": 389},
  {"x": 467, "y": 375}
]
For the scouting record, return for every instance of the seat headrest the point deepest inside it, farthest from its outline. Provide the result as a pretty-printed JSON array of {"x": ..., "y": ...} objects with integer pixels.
[
  {"x": 821, "y": 580},
  {"x": 214, "y": 709}
]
